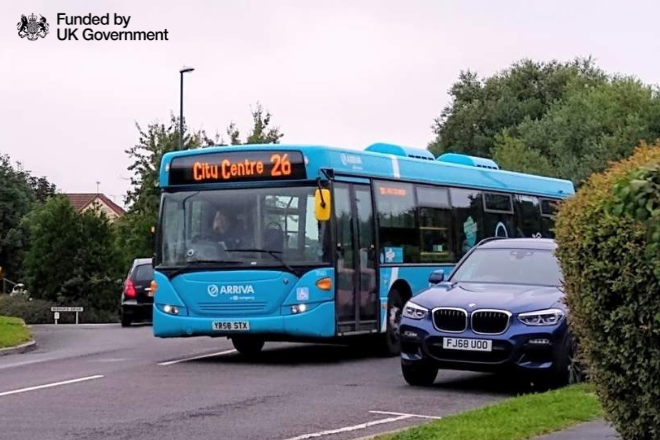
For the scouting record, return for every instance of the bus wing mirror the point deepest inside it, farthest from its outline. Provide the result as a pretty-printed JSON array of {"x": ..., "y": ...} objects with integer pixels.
[{"x": 322, "y": 204}]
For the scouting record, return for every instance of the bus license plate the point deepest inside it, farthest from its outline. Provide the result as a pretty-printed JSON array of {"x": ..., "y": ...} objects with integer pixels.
[
  {"x": 231, "y": 326},
  {"x": 467, "y": 344}
]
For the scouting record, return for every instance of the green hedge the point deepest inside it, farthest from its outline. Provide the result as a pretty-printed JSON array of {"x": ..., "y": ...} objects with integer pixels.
[
  {"x": 33, "y": 311},
  {"x": 608, "y": 249},
  {"x": 37, "y": 311}
]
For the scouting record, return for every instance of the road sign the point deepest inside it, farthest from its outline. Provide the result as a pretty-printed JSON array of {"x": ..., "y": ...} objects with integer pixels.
[
  {"x": 66, "y": 309},
  {"x": 56, "y": 312}
]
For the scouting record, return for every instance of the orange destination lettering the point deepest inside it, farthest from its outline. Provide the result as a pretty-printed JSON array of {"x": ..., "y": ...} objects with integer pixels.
[
  {"x": 391, "y": 191},
  {"x": 198, "y": 172},
  {"x": 226, "y": 170}
]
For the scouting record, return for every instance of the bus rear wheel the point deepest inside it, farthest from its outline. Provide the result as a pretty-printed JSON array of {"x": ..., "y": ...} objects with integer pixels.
[{"x": 248, "y": 345}]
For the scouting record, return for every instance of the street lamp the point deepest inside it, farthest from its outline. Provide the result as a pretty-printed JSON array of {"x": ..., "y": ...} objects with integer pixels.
[{"x": 181, "y": 72}]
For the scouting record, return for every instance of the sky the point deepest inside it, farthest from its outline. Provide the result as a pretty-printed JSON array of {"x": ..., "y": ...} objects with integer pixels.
[{"x": 340, "y": 73}]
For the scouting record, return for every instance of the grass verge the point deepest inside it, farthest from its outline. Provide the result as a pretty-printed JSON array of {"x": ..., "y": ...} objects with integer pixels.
[
  {"x": 518, "y": 418},
  {"x": 13, "y": 332}
]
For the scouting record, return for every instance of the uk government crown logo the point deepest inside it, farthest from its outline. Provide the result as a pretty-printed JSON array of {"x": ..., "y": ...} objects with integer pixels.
[{"x": 32, "y": 28}]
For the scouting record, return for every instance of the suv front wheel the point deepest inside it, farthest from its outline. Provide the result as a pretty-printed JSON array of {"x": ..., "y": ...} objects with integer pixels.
[{"x": 419, "y": 375}]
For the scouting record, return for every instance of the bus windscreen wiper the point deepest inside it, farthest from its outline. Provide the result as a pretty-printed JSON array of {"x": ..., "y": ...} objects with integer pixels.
[
  {"x": 193, "y": 263},
  {"x": 273, "y": 254}
]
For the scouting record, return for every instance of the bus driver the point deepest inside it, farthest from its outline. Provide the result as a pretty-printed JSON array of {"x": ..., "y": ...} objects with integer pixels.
[{"x": 226, "y": 231}]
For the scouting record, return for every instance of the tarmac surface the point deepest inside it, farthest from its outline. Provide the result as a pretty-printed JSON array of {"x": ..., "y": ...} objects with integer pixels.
[{"x": 108, "y": 382}]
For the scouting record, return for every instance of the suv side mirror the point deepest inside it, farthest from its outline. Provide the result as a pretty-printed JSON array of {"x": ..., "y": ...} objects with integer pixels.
[{"x": 437, "y": 276}]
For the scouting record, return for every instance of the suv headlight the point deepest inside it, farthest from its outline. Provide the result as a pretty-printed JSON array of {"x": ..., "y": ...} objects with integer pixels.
[
  {"x": 542, "y": 317},
  {"x": 413, "y": 311}
]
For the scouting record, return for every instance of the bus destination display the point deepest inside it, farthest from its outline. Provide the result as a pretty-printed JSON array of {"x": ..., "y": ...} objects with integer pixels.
[{"x": 237, "y": 166}]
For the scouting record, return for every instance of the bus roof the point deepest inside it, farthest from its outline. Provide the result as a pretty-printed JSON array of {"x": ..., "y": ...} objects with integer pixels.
[{"x": 389, "y": 161}]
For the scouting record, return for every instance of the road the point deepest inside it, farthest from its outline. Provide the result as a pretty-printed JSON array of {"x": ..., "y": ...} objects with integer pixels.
[{"x": 107, "y": 382}]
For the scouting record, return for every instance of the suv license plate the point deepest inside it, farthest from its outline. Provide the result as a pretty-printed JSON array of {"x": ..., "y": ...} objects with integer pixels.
[
  {"x": 467, "y": 344},
  {"x": 231, "y": 326}
]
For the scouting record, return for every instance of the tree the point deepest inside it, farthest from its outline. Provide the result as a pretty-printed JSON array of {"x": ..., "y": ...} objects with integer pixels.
[
  {"x": 261, "y": 132},
  {"x": 16, "y": 199},
  {"x": 134, "y": 228},
  {"x": 19, "y": 190},
  {"x": 481, "y": 109},
  {"x": 94, "y": 283},
  {"x": 52, "y": 255},
  {"x": 564, "y": 120},
  {"x": 512, "y": 154},
  {"x": 588, "y": 128},
  {"x": 146, "y": 156},
  {"x": 71, "y": 258},
  {"x": 42, "y": 188}
]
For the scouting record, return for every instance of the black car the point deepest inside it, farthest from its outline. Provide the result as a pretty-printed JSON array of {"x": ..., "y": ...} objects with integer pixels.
[
  {"x": 136, "y": 299},
  {"x": 501, "y": 309}
]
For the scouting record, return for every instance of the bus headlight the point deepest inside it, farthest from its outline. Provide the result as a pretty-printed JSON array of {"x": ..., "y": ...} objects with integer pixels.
[
  {"x": 298, "y": 308},
  {"x": 172, "y": 310},
  {"x": 413, "y": 311}
]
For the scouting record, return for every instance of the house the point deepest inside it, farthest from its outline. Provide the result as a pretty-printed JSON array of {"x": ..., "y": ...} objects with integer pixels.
[{"x": 81, "y": 202}]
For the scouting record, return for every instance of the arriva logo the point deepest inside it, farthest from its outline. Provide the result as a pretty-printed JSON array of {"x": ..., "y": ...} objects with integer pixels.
[
  {"x": 214, "y": 291},
  {"x": 238, "y": 289},
  {"x": 349, "y": 159}
]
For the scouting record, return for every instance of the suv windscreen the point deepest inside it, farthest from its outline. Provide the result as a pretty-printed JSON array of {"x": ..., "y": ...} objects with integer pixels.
[{"x": 510, "y": 266}]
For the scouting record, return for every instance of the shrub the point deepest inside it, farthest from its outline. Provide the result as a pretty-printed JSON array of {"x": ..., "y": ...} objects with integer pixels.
[
  {"x": 72, "y": 260},
  {"x": 608, "y": 250},
  {"x": 35, "y": 311}
]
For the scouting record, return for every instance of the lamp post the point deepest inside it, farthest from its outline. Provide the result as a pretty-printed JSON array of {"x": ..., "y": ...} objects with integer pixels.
[{"x": 181, "y": 72}]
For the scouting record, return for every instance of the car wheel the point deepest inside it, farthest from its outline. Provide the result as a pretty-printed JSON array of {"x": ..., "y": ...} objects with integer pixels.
[
  {"x": 576, "y": 373},
  {"x": 390, "y": 342},
  {"x": 248, "y": 346},
  {"x": 567, "y": 368},
  {"x": 126, "y": 320},
  {"x": 419, "y": 375}
]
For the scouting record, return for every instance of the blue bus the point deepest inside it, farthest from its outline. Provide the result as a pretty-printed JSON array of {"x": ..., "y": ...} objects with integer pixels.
[{"x": 310, "y": 243}]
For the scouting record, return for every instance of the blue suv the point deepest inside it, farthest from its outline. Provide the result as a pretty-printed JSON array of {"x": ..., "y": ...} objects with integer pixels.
[{"x": 500, "y": 310}]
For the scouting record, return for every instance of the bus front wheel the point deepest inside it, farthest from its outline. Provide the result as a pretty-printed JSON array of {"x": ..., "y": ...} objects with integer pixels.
[
  {"x": 247, "y": 346},
  {"x": 391, "y": 345}
]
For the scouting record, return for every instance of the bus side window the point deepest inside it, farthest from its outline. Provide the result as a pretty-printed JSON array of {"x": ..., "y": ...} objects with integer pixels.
[
  {"x": 528, "y": 216},
  {"x": 435, "y": 225},
  {"x": 548, "y": 209},
  {"x": 397, "y": 223},
  {"x": 498, "y": 215},
  {"x": 468, "y": 208}
]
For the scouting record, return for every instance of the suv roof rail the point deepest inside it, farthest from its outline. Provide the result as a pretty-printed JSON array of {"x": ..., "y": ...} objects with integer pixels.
[{"x": 486, "y": 240}]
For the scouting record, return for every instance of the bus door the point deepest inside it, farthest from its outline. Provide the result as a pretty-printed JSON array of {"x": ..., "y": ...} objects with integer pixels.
[{"x": 356, "y": 297}]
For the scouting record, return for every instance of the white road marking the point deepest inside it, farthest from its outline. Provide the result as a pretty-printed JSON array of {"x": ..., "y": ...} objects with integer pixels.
[
  {"x": 349, "y": 428},
  {"x": 19, "y": 364},
  {"x": 201, "y": 356},
  {"x": 390, "y": 413},
  {"x": 50, "y": 385}
]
